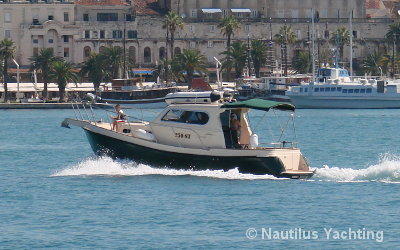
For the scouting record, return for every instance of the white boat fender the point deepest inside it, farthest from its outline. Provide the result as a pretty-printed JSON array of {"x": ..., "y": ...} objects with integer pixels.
[
  {"x": 143, "y": 134},
  {"x": 254, "y": 141}
]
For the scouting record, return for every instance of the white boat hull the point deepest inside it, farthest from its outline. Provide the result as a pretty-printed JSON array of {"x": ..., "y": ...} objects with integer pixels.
[{"x": 324, "y": 102}]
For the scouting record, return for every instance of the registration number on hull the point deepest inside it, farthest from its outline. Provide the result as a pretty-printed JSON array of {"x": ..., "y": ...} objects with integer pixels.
[{"x": 182, "y": 136}]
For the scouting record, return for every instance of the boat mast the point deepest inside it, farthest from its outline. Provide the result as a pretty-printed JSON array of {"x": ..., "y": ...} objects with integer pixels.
[
  {"x": 351, "y": 42},
  {"x": 313, "y": 44}
]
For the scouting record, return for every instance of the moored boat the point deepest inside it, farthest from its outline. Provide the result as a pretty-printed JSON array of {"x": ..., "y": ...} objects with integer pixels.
[{"x": 199, "y": 135}]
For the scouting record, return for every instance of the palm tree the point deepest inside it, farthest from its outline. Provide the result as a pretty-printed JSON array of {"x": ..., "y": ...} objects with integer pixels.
[
  {"x": 341, "y": 38},
  {"x": 115, "y": 59},
  {"x": 190, "y": 61},
  {"x": 62, "y": 73},
  {"x": 228, "y": 26},
  {"x": 393, "y": 36},
  {"x": 235, "y": 58},
  {"x": 370, "y": 64},
  {"x": 172, "y": 22},
  {"x": 258, "y": 55},
  {"x": 43, "y": 62},
  {"x": 7, "y": 50},
  {"x": 302, "y": 62},
  {"x": 285, "y": 37},
  {"x": 96, "y": 69}
]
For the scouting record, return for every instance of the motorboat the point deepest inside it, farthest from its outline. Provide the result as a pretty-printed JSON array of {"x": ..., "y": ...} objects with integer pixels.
[
  {"x": 195, "y": 132},
  {"x": 334, "y": 89}
]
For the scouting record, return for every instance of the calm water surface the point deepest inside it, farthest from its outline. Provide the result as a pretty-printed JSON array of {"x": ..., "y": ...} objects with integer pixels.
[{"x": 56, "y": 194}]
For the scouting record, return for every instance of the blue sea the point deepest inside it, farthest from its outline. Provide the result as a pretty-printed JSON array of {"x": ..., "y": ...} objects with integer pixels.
[{"x": 55, "y": 193}]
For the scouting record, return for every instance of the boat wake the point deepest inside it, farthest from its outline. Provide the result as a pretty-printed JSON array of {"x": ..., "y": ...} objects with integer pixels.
[
  {"x": 387, "y": 170},
  {"x": 105, "y": 166}
]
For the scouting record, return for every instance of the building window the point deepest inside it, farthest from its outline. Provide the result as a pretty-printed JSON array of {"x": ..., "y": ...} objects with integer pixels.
[
  {"x": 128, "y": 18},
  {"x": 225, "y": 12},
  {"x": 35, "y": 51},
  {"x": 177, "y": 51},
  {"x": 192, "y": 28},
  {"x": 355, "y": 33},
  {"x": 209, "y": 15},
  {"x": 254, "y": 13},
  {"x": 50, "y": 17},
  {"x": 86, "y": 17},
  {"x": 326, "y": 34},
  {"x": 161, "y": 53},
  {"x": 66, "y": 17},
  {"x": 66, "y": 39},
  {"x": 35, "y": 41},
  {"x": 7, "y": 33},
  {"x": 117, "y": 34},
  {"x": 239, "y": 15},
  {"x": 51, "y": 40},
  {"x": 87, "y": 34},
  {"x": 86, "y": 51},
  {"x": 102, "y": 34},
  {"x": 132, "y": 54},
  {"x": 192, "y": 45},
  {"x": 247, "y": 28},
  {"x": 210, "y": 44},
  {"x": 211, "y": 28},
  {"x": 66, "y": 52},
  {"x": 7, "y": 17},
  {"x": 107, "y": 17},
  {"x": 132, "y": 34},
  {"x": 147, "y": 55},
  {"x": 194, "y": 13}
]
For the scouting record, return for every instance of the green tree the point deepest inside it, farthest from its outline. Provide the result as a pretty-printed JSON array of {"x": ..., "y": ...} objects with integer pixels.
[
  {"x": 228, "y": 26},
  {"x": 63, "y": 73},
  {"x": 43, "y": 62},
  {"x": 172, "y": 22},
  {"x": 258, "y": 52},
  {"x": 95, "y": 67},
  {"x": 115, "y": 59},
  {"x": 284, "y": 38},
  {"x": 393, "y": 36},
  {"x": 189, "y": 62},
  {"x": 341, "y": 37},
  {"x": 371, "y": 64},
  {"x": 302, "y": 62},
  {"x": 7, "y": 50},
  {"x": 235, "y": 58}
]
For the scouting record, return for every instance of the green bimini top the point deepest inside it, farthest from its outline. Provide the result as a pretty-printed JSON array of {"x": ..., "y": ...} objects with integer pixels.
[{"x": 260, "y": 104}]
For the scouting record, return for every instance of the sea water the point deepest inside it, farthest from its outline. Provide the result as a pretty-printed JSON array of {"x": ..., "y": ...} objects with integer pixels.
[{"x": 54, "y": 193}]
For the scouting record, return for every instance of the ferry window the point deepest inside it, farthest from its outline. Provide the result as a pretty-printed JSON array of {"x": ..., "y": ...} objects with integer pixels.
[
  {"x": 339, "y": 89},
  {"x": 316, "y": 90},
  {"x": 322, "y": 89},
  {"x": 369, "y": 90},
  {"x": 356, "y": 91},
  {"x": 351, "y": 91},
  {"x": 328, "y": 90},
  {"x": 333, "y": 89},
  {"x": 362, "y": 91},
  {"x": 305, "y": 89},
  {"x": 345, "y": 91},
  {"x": 301, "y": 90},
  {"x": 190, "y": 117}
]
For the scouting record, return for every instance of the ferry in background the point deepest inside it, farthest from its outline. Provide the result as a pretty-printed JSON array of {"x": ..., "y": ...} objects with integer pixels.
[{"x": 334, "y": 89}]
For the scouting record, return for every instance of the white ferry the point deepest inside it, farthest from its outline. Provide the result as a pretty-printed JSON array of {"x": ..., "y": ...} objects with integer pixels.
[
  {"x": 195, "y": 132},
  {"x": 335, "y": 90}
]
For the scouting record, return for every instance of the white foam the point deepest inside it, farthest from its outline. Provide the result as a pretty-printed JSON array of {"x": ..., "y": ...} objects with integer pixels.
[
  {"x": 105, "y": 166},
  {"x": 387, "y": 170}
]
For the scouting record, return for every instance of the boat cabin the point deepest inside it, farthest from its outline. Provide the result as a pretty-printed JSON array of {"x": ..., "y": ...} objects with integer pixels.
[{"x": 333, "y": 75}]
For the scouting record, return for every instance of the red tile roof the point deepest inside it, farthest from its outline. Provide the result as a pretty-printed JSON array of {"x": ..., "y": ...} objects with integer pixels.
[
  {"x": 147, "y": 7},
  {"x": 101, "y": 2}
]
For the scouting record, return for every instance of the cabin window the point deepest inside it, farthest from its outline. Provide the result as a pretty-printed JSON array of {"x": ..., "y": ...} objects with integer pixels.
[
  {"x": 190, "y": 117},
  {"x": 345, "y": 91},
  {"x": 339, "y": 89},
  {"x": 328, "y": 90},
  {"x": 362, "y": 91},
  {"x": 369, "y": 90},
  {"x": 333, "y": 89},
  {"x": 301, "y": 90},
  {"x": 351, "y": 91},
  {"x": 322, "y": 90},
  {"x": 316, "y": 90},
  {"x": 356, "y": 91}
]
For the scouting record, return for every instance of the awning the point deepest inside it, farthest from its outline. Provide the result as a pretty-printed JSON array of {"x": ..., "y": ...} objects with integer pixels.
[
  {"x": 211, "y": 11},
  {"x": 260, "y": 104},
  {"x": 143, "y": 72},
  {"x": 241, "y": 10}
]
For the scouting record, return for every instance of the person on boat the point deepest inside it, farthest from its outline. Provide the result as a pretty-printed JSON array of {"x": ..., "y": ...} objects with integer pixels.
[
  {"x": 120, "y": 117},
  {"x": 235, "y": 129}
]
